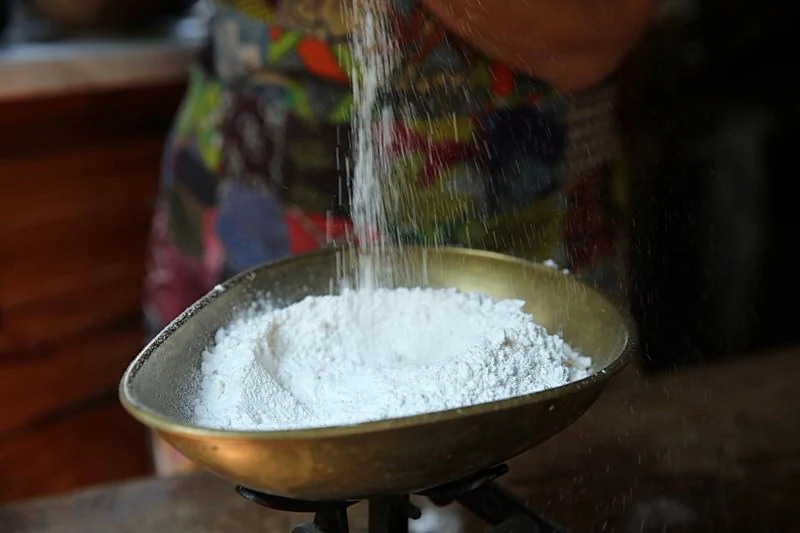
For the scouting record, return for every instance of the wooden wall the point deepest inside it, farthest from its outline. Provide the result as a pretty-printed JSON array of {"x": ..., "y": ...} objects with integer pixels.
[{"x": 78, "y": 176}]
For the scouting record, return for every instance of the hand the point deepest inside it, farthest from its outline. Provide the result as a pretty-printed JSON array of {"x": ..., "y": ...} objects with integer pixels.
[{"x": 570, "y": 44}]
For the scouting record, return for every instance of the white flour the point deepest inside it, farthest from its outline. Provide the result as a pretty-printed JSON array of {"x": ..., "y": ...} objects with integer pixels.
[
  {"x": 373, "y": 183},
  {"x": 365, "y": 356}
]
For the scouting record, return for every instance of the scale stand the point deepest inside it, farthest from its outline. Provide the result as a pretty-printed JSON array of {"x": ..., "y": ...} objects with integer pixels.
[{"x": 479, "y": 493}]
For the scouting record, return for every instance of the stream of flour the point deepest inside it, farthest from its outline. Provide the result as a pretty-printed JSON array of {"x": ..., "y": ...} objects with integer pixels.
[{"x": 373, "y": 197}]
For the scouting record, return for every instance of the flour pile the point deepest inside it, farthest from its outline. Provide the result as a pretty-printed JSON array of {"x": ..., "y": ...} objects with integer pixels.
[{"x": 365, "y": 356}]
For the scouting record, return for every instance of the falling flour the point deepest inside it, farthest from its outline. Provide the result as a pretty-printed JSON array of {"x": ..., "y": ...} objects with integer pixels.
[{"x": 373, "y": 355}]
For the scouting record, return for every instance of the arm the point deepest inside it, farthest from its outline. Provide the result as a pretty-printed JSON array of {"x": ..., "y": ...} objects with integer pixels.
[{"x": 571, "y": 44}]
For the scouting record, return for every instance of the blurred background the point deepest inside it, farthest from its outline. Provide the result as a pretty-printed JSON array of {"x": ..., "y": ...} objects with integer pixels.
[{"x": 88, "y": 90}]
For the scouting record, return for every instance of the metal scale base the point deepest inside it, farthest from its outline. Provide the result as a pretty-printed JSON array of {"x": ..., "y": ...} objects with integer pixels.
[{"x": 480, "y": 494}]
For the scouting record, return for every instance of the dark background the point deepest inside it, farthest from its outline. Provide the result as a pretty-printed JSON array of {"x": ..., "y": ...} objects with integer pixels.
[{"x": 710, "y": 109}]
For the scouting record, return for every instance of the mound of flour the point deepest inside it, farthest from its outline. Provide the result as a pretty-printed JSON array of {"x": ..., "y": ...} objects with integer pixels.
[{"x": 364, "y": 356}]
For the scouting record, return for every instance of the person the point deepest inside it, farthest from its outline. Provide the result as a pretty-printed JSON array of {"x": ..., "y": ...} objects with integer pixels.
[{"x": 507, "y": 133}]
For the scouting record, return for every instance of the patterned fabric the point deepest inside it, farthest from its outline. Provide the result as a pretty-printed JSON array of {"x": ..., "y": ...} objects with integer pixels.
[{"x": 485, "y": 158}]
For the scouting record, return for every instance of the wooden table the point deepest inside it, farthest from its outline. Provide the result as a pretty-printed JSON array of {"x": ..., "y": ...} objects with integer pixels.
[{"x": 708, "y": 449}]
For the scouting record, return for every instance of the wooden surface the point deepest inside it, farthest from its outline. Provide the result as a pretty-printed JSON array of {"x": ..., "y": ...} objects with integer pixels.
[
  {"x": 711, "y": 449},
  {"x": 78, "y": 176}
]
